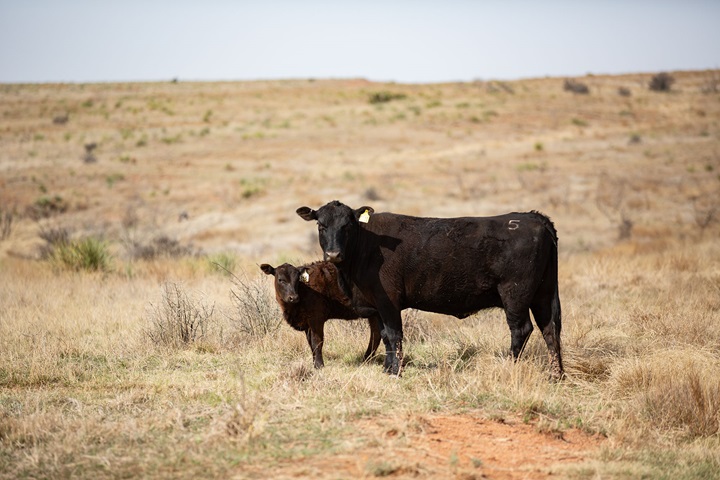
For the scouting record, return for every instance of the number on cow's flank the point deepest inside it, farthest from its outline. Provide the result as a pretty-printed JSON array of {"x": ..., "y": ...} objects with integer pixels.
[{"x": 513, "y": 224}]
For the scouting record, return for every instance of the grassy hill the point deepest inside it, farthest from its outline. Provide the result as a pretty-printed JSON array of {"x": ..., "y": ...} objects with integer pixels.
[{"x": 124, "y": 204}]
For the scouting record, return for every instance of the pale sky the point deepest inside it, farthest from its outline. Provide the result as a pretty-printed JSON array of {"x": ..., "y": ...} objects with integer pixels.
[{"x": 401, "y": 40}]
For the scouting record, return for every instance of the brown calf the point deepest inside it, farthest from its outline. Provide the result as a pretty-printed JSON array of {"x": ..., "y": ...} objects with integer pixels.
[{"x": 309, "y": 295}]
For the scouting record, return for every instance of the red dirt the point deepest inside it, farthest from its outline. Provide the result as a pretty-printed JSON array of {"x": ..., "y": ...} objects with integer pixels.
[{"x": 447, "y": 446}]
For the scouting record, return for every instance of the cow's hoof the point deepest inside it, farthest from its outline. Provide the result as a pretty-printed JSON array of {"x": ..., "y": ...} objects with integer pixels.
[{"x": 393, "y": 369}]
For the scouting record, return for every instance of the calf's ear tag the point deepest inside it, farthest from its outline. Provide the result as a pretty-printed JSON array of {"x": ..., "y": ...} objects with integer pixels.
[
  {"x": 364, "y": 217},
  {"x": 305, "y": 276}
]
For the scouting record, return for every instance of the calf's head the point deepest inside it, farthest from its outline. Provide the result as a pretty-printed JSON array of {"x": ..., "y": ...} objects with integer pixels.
[
  {"x": 287, "y": 281},
  {"x": 337, "y": 225}
]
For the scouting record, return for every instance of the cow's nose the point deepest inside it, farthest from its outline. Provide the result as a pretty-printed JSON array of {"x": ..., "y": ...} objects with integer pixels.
[
  {"x": 333, "y": 257},
  {"x": 293, "y": 299}
]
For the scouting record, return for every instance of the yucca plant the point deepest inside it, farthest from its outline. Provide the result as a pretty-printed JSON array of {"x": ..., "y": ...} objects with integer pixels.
[{"x": 88, "y": 254}]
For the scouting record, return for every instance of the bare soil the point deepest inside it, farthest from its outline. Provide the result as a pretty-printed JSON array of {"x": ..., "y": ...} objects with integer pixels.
[{"x": 464, "y": 446}]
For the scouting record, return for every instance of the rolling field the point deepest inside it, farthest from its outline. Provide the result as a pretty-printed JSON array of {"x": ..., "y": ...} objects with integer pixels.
[{"x": 139, "y": 338}]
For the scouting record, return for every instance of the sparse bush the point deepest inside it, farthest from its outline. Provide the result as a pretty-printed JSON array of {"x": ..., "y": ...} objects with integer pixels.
[
  {"x": 662, "y": 82},
  {"x": 178, "y": 320},
  {"x": 576, "y": 87},
  {"x": 385, "y": 96},
  {"x": 6, "y": 221},
  {"x": 47, "y": 206},
  {"x": 372, "y": 195},
  {"x": 257, "y": 312},
  {"x": 52, "y": 237},
  {"x": 499, "y": 87},
  {"x": 711, "y": 84},
  {"x": 172, "y": 139},
  {"x": 706, "y": 209},
  {"x": 624, "y": 92},
  {"x": 114, "y": 178},
  {"x": 610, "y": 200},
  {"x": 61, "y": 119},
  {"x": 89, "y": 157},
  {"x": 252, "y": 187},
  {"x": 160, "y": 246}
]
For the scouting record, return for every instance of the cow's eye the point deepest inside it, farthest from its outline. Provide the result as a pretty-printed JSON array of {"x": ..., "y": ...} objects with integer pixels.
[{"x": 321, "y": 227}]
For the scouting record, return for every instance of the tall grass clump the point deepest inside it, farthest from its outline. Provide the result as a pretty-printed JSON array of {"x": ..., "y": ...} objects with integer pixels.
[
  {"x": 672, "y": 392},
  {"x": 178, "y": 320},
  {"x": 222, "y": 262},
  {"x": 88, "y": 254}
]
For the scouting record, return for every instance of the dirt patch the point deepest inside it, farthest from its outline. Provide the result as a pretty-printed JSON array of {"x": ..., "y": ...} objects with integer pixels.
[{"x": 448, "y": 446}]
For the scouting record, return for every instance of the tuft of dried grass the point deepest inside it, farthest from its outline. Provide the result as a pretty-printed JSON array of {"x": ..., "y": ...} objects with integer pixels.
[{"x": 675, "y": 391}]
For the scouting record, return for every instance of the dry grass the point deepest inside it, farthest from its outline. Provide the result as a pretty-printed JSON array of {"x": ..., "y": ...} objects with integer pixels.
[{"x": 85, "y": 392}]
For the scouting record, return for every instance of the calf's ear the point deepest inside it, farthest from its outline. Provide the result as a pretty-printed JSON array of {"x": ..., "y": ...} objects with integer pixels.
[
  {"x": 269, "y": 270},
  {"x": 307, "y": 213}
]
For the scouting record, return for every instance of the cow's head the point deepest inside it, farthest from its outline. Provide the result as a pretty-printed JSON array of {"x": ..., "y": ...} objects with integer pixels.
[
  {"x": 337, "y": 224},
  {"x": 287, "y": 281}
]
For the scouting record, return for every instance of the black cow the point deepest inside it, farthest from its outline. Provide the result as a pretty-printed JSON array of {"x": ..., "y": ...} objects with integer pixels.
[
  {"x": 309, "y": 295},
  {"x": 454, "y": 266}
]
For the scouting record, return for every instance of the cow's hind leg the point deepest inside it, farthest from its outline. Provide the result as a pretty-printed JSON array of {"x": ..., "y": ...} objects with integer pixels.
[
  {"x": 518, "y": 320},
  {"x": 550, "y": 328},
  {"x": 375, "y": 327}
]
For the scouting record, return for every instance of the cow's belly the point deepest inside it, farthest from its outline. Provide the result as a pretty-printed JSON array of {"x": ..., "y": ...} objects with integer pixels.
[{"x": 459, "y": 303}]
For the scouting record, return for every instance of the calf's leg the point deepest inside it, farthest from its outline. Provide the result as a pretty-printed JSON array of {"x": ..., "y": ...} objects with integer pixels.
[{"x": 316, "y": 337}]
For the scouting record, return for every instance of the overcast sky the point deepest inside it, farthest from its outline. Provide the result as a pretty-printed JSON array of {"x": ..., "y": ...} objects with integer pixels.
[{"x": 401, "y": 40}]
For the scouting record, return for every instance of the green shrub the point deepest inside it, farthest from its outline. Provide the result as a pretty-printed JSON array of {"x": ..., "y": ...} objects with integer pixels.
[
  {"x": 89, "y": 254},
  {"x": 385, "y": 96},
  {"x": 47, "y": 206},
  {"x": 222, "y": 262},
  {"x": 662, "y": 82}
]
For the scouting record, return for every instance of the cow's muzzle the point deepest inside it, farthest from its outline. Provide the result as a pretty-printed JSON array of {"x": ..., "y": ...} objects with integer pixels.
[
  {"x": 293, "y": 298},
  {"x": 333, "y": 257}
]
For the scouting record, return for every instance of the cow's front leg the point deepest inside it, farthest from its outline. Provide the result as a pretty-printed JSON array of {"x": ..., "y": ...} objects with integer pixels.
[{"x": 392, "y": 336}]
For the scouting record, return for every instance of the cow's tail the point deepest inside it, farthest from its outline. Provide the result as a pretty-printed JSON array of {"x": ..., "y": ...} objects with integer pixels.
[{"x": 555, "y": 310}]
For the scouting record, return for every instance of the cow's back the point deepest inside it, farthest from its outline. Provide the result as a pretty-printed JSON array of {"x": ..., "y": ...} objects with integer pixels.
[{"x": 455, "y": 265}]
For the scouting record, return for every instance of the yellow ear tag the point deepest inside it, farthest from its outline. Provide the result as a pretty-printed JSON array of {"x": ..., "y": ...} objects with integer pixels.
[
  {"x": 364, "y": 217},
  {"x": 305, "y": 277}
]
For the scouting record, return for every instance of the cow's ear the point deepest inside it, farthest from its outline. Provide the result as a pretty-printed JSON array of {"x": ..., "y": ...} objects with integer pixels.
[
  {"x": 307, "y": 213},
  {"x": 362, "y": 214},
  {"x": 268, "y": 269}
]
